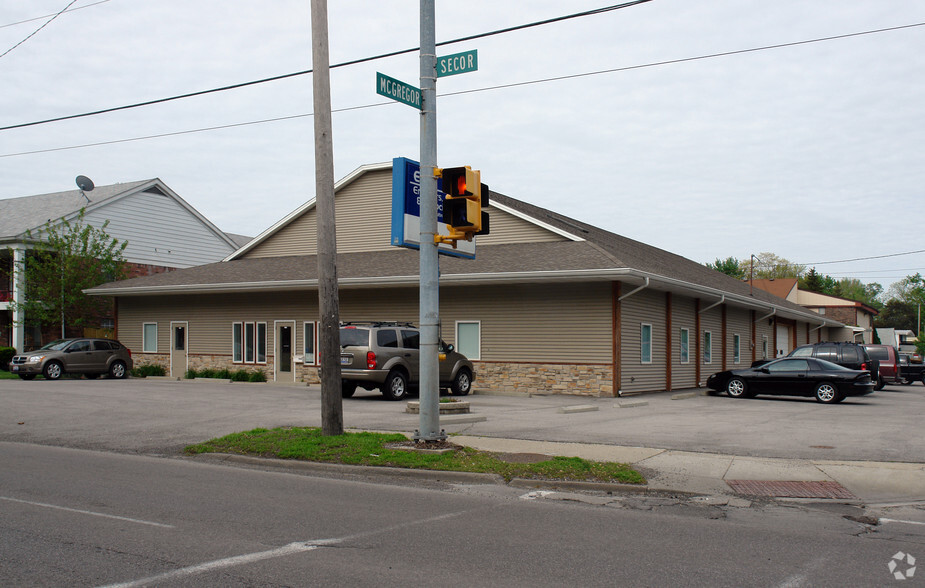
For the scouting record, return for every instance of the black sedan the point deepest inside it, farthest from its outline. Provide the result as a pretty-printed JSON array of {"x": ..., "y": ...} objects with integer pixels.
[{"x": 794, "y": 376}]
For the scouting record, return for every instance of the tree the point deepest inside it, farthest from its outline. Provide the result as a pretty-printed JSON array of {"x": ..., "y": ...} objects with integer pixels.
[
  {"x": 770, "y": 266},
  {"x": 69, "y": 257},
  {"x": 813, "y": 281},
  {"x": 897, "y": 314},
  {"x": 729, "y": 266},
  {"x": 854, "y": 289}
]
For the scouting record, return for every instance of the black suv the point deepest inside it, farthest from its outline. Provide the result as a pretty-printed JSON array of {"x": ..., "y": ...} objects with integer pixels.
[{"x": 845, "y": 353}]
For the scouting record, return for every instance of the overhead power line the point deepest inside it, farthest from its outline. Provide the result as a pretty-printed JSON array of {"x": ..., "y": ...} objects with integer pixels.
[
  {"x": 864, "y": 258},
  {"x": 472, "y": 91},
  {"x": 308, "y": 71},
  {"x": 13, "y": 24},
  {"x": 32, "y": 34}
]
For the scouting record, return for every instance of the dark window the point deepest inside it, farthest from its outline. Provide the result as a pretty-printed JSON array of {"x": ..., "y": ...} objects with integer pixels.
[
  {"x": 387, "y": 338},
  {"x": 79, "y": 346},
  {"x": 102, "y": 346},
  {"x": 179, "y": 338},
  {"x": 411, "y": 339},
  {"x": 850, "y": 355},
  {"x": 827, "y": 352},
  {"x": 353, "y": 337},
  {"x": 789, "y": 365},
  {"x": 880, "y": 353}
]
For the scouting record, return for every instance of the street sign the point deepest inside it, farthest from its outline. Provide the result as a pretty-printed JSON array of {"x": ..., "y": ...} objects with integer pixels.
[
  {"x": 458, "y": 63},
  {"x": 406, "y": 211},
  {"x": 398, "y": 90}
]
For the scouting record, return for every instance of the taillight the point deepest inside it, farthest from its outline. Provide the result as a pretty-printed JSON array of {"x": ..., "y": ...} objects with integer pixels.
[
  {"x": 864, "y": 366},
  {"x": 370, "y": 360}
]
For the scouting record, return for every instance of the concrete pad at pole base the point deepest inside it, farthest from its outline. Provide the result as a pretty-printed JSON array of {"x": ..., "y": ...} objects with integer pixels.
[
  {"x": 630, "y": 403},
  {"x": 694, "y": 472},
  {"x": 878, "y": 481}
]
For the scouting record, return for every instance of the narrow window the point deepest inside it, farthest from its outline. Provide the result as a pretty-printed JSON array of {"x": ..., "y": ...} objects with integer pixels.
[
  {"x": 248, "y": 342},
  {"x": 736, "y": 356},
  {"x": 308, "y": 352},
  {"x": 237, "y": 342},
  {"x": 764, "y": 347},
  {"x": 685, "y": 346},
  {"x": 707, "y": 347},
  {"x": 149, "y": 338},
  {"x": 469, "y": 339},
  {"x": 645, "y": 346},
  {"x": 261, "y": 342}
]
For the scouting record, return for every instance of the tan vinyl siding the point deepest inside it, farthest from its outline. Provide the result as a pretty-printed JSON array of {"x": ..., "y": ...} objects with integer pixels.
[
  {"x": 764, "y": 329},
  {"x": 647, "y": 306},
  {"x": 738, "y": 323},
  {"x": 507, "y": 228},
  {"x": 529, "y": 323},
  {"x": 802, "y": 332},
  {"x": 534, "y": 322},
  {"x": 364, "y": 223},
  {"x": 683, "y": 316}
]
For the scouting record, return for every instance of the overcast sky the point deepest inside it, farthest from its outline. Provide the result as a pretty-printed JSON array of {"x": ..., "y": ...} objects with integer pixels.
[{"x": 812, "y": 151}]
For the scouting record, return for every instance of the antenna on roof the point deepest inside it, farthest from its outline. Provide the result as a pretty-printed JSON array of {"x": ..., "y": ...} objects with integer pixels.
[{"x": 85, "y": 184}]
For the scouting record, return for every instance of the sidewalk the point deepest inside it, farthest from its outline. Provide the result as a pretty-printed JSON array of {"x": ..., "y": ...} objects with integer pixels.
[{"x": 872, "y": 483}]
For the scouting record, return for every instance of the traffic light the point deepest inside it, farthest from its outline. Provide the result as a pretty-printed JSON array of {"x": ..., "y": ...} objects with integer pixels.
[{"x": 465, "y": 198}]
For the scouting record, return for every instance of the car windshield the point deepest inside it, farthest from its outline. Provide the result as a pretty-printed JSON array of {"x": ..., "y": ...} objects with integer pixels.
[
  {"x": 354, "y": 337},
  {"x": 828, "y": 365},
  {"x": 56, "y": 345}
]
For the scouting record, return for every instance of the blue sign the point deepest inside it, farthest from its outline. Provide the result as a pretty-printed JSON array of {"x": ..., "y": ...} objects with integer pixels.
[{"x": 406, "y": 210}]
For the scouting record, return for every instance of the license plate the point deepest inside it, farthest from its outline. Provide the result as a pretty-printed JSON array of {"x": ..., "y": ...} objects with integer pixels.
[
  {"x": 345, "y": 359},
  {"x": 14, "y": 368}
]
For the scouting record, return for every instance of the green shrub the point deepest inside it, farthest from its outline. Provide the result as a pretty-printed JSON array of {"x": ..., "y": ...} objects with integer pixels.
[
  {"x": 223, "y": 374},
  {"x": 190, "y": 374},
  {"x": 206, "y": 373},
  {"x": 240, "y": 376},
  {"x": 257, "y": 376},
  {"x": 143, "y": 371},
  {"x": 6, "y": 354}
]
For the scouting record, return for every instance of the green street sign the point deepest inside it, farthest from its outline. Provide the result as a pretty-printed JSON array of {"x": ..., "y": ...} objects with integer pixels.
[
  {"x": 398, "y": 90},
  {"x": 458, "y": 63}
]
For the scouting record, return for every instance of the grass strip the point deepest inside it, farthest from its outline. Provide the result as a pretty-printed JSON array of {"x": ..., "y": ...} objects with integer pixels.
[{"x": 370, "y": 449}]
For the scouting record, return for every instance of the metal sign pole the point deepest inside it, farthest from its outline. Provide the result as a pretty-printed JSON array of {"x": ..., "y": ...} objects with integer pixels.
[{"x": 429, "y": 428}]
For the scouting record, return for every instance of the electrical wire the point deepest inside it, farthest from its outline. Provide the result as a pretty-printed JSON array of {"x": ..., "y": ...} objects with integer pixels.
[
  {"x": 471, "y": 91},
  {"x": 32, "y": 34},
  {"x": 864, "y": 258},
  {"x": 592, "y": 12},
  {"x": 13, "y": 24}
]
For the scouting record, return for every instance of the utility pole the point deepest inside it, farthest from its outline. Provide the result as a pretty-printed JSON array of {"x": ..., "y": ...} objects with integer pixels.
[
  {"x": 332, "y": 408},
  {"x": 429, "y": 428}
]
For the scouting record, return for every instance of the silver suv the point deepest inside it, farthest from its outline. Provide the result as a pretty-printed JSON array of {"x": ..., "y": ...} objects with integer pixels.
[
  {"x": 385, "y": 355},
  {"x": 91, "y": 357}
]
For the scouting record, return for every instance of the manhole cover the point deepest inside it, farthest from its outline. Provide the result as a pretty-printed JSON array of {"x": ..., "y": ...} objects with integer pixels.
[{"x": 786, "y": 489}]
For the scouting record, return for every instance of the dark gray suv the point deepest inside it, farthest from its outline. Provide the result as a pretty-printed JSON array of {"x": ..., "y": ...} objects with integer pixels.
[{"x": 385, "y": 355}]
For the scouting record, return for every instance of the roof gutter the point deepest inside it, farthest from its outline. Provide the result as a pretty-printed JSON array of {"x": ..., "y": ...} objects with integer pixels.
[
  {"x": 715, "y": 304},
  {"x": 773, "y": 312}
]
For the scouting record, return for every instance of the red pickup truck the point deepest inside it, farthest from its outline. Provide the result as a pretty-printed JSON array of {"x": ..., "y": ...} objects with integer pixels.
[{"x": 890, "y": 368}]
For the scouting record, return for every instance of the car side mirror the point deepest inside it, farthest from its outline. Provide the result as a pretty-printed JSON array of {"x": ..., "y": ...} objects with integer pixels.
[
  {"x": 450, "y": 348},
  {"x": 765, "y": 370}
]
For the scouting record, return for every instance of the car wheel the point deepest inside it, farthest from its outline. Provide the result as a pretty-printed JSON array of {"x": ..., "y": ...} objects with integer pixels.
[
  {"x": 737, "y": 388},
  {"x": 462, "y": 383},
  {"x": 347, "y": 389},
  {"x": 27, "y": 376},
  {"x": 53, "y": 371},
  {"x": 396, "y": 385},
  {"x": 117, "y": 370},
  {"x": 827, "y": 393},
  {"x": 880, "y": 384}
]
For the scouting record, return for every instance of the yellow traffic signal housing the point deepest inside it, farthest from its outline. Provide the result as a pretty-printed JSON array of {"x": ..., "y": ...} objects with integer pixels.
[{"x": 466, "y": 196}]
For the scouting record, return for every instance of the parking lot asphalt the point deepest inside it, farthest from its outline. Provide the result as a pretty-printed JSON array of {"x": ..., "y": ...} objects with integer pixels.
[{"x": 682, "y": 440}]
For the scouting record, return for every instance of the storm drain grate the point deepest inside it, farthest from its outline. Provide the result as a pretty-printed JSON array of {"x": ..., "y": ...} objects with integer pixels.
[{"x": 786, "y": 489}]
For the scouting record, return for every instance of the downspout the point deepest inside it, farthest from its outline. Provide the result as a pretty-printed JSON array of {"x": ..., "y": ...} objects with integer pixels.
[
  {"x": 773, "y": 312},
  {"x": 631, "y": 292},
  {"x": 715, "y": 304}
]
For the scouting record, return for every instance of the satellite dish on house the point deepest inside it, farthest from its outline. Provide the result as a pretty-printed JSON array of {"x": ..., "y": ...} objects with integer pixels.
[{"x": 85, "y": 183}]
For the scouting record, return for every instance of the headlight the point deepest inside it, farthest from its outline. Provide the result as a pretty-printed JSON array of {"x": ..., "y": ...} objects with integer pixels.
[{"x": 36, "y": 358}]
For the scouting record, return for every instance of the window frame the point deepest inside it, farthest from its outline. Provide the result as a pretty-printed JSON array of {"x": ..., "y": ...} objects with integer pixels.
[
  {"x": 478, "y": 327},
  {"x": 144, "y": 337},
  {"x": 736, "y": 348},
  {"x": 645, "y": 343},
  {"x": 684, "y": 349},
  {"x": 250, "y": 342},
  {"x": 707, "y": 347},
  {"x": 314, "y": 341},
  {"x": 261, "y": 343},
  {"x": 764, "y": 347},
  {"x": 237, "y": 342}
]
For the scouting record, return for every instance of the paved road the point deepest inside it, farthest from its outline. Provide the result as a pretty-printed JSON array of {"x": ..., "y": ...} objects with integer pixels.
[
  {"x": 89, "y": 518},
  {"x": 161, "y": 417}
]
